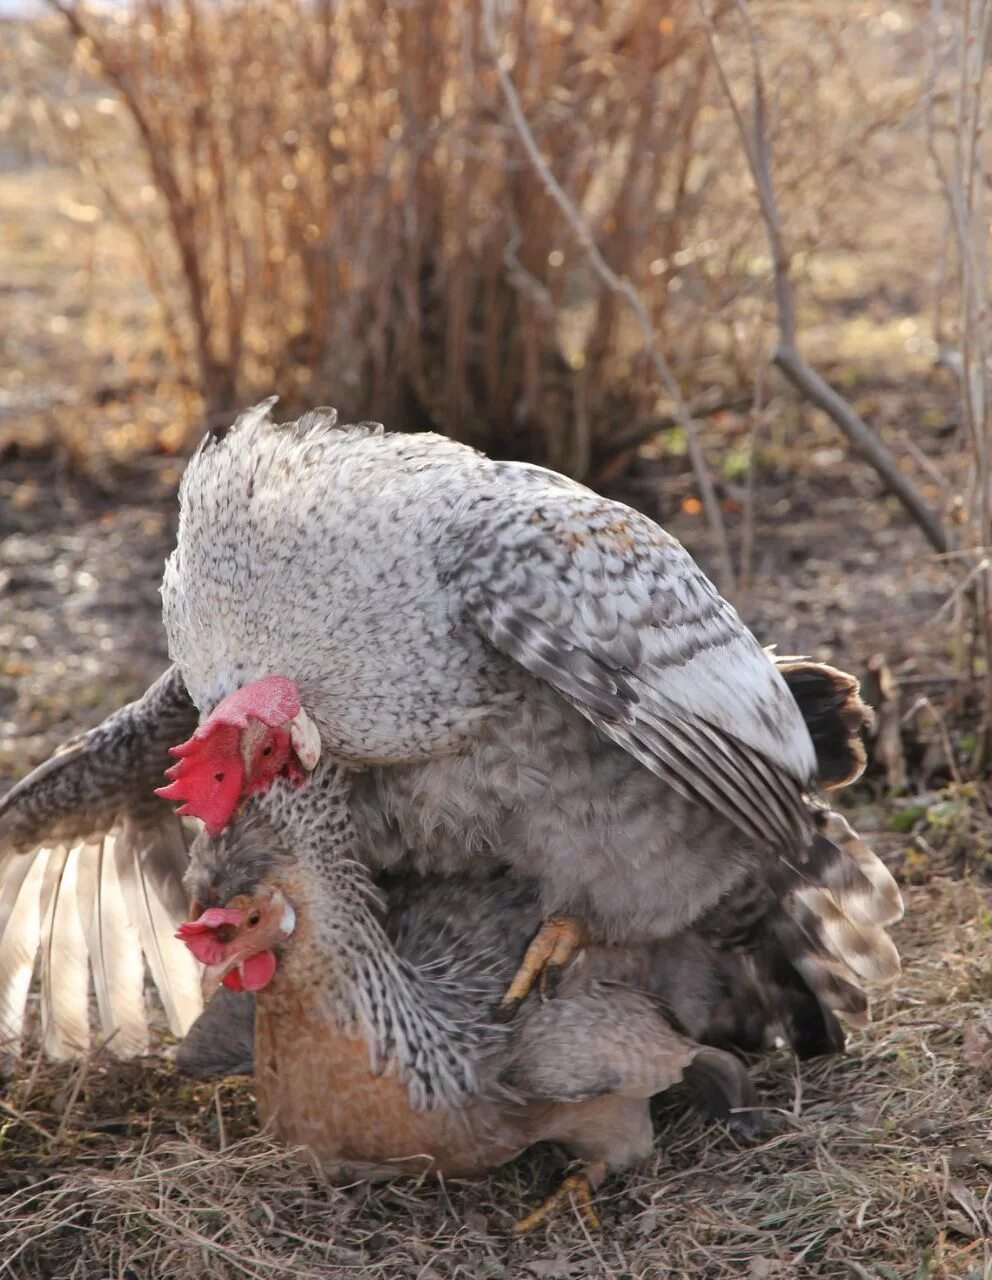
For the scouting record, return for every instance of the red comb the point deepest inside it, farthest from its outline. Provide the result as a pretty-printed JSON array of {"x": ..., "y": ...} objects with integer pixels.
[
  {"x": 201, "y": 935},
  {"x": 209, "y": 777},
  {"x": 273, "y": 700},
  {"x": 212, "y": 918},
  {"x": 209, "y": 774}
]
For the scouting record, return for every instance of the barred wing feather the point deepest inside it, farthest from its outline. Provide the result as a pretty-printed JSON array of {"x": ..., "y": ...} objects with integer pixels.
[
  {"x": 602, "y": 604},
  {"x": 91, "y": 867}
]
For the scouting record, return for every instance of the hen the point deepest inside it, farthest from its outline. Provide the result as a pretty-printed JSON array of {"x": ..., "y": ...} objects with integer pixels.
[{"x": 578, "y": 1070}]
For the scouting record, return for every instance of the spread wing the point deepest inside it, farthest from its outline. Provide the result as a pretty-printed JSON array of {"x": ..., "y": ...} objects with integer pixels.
[
  {"x": 601, "y": 603},
  {"x": 91, "y": 863}
]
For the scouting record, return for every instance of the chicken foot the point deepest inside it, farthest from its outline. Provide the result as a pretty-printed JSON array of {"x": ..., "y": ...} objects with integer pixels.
[
  {"x": 554, "y": 944},
  {"x": 577, "y": 1189}
]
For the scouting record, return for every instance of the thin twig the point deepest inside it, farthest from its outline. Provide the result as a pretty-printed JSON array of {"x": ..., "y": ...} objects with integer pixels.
[
  {"x": 621, "y": 288},
  {"x": 754, "y": 140},
  {"x": 745, "y": 574}
]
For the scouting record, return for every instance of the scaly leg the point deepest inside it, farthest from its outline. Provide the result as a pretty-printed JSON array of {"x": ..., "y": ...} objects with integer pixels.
[
  {"x": 576, "y": 1188},
  {"x": 553, "y": 946}
]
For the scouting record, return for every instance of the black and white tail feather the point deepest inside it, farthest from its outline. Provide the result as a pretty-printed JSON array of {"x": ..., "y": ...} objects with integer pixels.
[
  {"x": 91, "y": 866},
  {"x": 829, "y": 935}
]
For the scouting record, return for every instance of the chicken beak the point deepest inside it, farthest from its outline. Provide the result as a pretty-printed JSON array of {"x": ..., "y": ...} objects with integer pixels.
[
  {"x": 305, "y": 737},
  {"x": 213, "y": 977}
]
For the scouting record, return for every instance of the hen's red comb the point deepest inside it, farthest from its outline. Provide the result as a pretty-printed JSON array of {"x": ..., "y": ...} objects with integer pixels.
[{"x": 201, "y": 935}]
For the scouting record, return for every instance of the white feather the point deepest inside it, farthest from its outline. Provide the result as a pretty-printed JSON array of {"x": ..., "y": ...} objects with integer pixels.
[
  {"x": 149, "y": 862},
  {"x": 114, "y": 947},
  {"x": 20, "y": 935},
  {"x": 65, "y": 971}
]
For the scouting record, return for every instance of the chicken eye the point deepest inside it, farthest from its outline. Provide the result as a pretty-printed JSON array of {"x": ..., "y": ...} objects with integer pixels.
[
  {"x": 253, "y": 919},
  {"x": 267, "y": 749}
]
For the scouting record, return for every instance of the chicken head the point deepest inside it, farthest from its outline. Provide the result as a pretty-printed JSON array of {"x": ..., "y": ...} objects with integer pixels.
[
  {"x": 235, "y": 942},
  {"x": 253, "y": 736}
]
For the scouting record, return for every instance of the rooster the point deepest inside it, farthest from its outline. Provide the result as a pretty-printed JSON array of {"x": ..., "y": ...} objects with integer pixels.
[{"x": 516, "y": 673}]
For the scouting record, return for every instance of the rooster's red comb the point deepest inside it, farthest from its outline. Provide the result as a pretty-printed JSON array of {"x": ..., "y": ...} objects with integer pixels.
[{"x": 210, "y": 774}]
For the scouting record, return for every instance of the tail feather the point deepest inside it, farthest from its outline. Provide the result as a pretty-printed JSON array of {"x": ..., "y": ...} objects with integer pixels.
[
  {"x": 862, "y": 884},
  {"x": 867, "y": 950},
  {"x": 833, "y": 982},
  {"x": 835, "y": 716},
  {"x": 830, "y": 923},
  {"x": 835, "y": 988}
]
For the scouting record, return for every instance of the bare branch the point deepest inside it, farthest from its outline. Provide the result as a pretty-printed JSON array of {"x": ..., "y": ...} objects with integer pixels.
[
  {"x": 754, "y": 139},
  {"x": 863, "y": 439},
  {"x": 622, "y": 288}
]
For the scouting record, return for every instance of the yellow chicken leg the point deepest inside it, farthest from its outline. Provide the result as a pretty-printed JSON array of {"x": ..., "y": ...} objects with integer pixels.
[
  {"x": 552, "y": 947},
  {"x": 576, "y": 1188}
]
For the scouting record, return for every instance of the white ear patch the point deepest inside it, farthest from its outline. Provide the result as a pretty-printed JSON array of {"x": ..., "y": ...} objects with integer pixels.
[
  {"x": 287, "y": 921},
  {"x": 305, "y": 737}
]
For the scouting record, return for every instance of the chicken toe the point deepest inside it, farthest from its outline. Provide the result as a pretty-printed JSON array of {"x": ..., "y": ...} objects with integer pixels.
[
  {"x": 552, "y": 947},
  {"x": 576, "y": 1189}
]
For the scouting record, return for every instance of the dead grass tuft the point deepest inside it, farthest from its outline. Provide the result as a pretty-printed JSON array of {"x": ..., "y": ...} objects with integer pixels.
[{"x": 874, "y": 1165}]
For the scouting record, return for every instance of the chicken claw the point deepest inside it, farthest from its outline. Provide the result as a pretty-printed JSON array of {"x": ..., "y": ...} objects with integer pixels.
[
  {"x": 576, "y": 1188},
  {"x": 554, "y": 944}
]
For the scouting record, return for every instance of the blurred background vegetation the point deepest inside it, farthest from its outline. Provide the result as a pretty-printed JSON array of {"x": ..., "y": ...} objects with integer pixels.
[{"x": 203, "y": 202}]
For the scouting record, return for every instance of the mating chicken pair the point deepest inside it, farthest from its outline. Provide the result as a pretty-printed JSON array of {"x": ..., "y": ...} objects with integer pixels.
[
  {"x": 578, "y": 1069},
  {"x": 404, "y": 655}
]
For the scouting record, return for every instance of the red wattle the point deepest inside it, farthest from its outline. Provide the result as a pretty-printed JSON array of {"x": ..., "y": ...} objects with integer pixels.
[{"x": 258, "y": 970}]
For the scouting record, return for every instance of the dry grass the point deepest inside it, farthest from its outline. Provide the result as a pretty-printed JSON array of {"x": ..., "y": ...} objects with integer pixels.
[{"x": 874, "y": 1165}]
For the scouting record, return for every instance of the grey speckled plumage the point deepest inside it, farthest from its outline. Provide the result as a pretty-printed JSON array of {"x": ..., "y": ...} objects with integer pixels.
[
  {"x": 519, "y": 674},
  {"x": 527, "y": 672}
]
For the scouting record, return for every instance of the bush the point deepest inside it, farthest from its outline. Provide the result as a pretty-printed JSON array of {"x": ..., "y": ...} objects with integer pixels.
[{"x": 347, "y": 212}]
